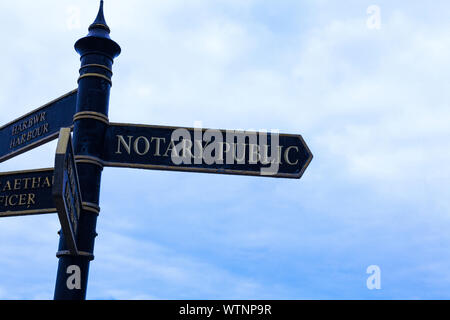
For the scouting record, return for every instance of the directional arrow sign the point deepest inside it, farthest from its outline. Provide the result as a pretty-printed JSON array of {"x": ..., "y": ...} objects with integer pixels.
[
  {"x": 66, "y": 189},
  {"x": 206, "y": 150},
  {"x": 26, "y": 192},
  {"x": 37, "y": 127}
]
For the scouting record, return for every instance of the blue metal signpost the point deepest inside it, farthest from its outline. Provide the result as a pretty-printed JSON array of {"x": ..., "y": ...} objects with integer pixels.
[
  {"x": 72, "y": 188},
  {"x": 97, "y": 52}
]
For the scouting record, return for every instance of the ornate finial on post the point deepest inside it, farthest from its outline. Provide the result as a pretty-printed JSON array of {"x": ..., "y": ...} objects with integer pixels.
[
  {"x": 98, "y": 38},
  {"x": 99, "y": 23}
]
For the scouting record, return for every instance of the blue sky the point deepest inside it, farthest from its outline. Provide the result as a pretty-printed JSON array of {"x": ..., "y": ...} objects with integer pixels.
[{"x": 372, "y": 105}]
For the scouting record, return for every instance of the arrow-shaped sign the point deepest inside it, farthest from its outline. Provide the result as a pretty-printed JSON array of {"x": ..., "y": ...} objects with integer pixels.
[
  {"x": 37, "y": 127},
  {"x": 206, "y": 150},
  {"x": 26, "y": 192},
  {"x": 66, "y": 189},
  {"x": 46, "y": 191}
]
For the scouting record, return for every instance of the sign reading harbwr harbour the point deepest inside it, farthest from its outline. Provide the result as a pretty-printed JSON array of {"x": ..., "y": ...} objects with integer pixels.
[
  {"x": 37, "y": 127},
  {"x": 72, "y": 187}
]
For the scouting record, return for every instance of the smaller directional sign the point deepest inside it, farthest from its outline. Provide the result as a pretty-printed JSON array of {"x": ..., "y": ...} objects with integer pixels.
[
  {"x": 37, "y": 127},
  {"x": 66, "y": 189},
  {"x": 26, "y": 192},
  {"x": 206, "y": 150}
]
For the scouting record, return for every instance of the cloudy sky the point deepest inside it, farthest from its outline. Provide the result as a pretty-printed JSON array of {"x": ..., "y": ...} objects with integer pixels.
[{"x": 366, "y": 85}]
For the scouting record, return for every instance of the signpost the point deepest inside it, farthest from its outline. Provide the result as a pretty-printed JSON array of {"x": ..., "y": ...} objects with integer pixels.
[
  {"x": 72, "y": 188},
  {"x": 66, "y": 189},
  {"x": 37, "y": 127}
]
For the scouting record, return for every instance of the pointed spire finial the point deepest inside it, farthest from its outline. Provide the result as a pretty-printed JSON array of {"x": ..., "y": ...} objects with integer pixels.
[
  {"x": 98, "y": 39},
  {"x": 100, "y": 23}
]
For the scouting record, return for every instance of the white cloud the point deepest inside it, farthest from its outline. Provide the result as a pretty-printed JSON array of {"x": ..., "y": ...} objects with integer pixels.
[
  {"x": 386, "y": 123},
  {"x": 142, "y": 265}
]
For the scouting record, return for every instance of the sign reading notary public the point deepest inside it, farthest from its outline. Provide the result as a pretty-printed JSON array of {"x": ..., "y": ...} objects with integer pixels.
[
  {"x": 37, "y": 127},
  {"x": 206, "y": 150},
  {"x": 66, "y": 189},
  {"x": 26, "y": 192}
]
